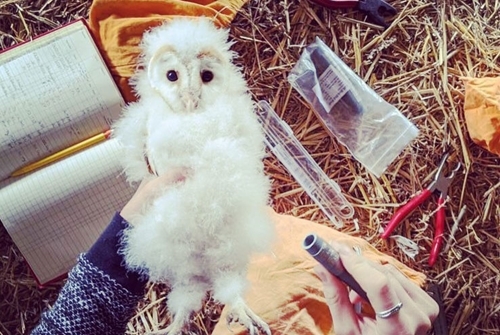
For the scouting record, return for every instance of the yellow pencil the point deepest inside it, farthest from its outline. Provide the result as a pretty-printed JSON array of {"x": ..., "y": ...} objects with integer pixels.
[{"x": 62, "y": 154}]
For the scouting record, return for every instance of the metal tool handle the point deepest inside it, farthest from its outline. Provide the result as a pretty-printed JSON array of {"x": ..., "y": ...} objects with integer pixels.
[
  {"x": 437, "y": 243},
  {"x": 330, "y": 259},
  {"x": 404, "y": 211},
  {"x": 440, "y": 325}
]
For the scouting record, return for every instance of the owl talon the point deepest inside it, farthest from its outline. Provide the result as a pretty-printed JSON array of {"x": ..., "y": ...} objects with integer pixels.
[{"x": 246, "y": 317}]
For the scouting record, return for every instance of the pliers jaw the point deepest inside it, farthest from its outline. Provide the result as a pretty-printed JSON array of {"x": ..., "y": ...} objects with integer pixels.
[
  {"x": 376, "y": 10},
  {"x": 441, "y": 181}
]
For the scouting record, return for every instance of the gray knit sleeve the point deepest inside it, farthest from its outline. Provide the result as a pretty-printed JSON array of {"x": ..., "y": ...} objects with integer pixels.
[{"x": 91, "y": 302}]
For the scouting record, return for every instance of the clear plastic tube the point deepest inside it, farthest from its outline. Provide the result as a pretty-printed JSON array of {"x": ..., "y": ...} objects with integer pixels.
[{"x": 325, "y": 192}]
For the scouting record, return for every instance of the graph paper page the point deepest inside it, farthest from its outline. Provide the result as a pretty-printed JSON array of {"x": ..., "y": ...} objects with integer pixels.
[
  {"x": 55, "y": 91},
  {"x": 58, "y": 212}
]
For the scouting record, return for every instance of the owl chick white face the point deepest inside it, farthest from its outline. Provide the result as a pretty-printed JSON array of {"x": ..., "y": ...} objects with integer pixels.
[{"x": 185, "y": 81}]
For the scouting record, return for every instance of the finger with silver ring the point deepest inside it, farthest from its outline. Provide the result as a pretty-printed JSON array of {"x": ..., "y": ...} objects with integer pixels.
[
  {"x": 378, "y": 285},
  {"x": 418, "y": 308},
  {"x": 396, "y": 285},
  {"x": 409, "y": 291},
  {"x": 396, "y": 312},
  {"x": 417, "y": 295},
  {"x": 412, "y": 313},
  {"x": 389, "y": 312}
]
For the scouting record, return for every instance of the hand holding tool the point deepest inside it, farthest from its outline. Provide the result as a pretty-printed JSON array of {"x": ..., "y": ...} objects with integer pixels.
[
  {"x": 440, "y": 184},
  {"x": 375, "y": 9},
  {"x": 330, "y": 259}
]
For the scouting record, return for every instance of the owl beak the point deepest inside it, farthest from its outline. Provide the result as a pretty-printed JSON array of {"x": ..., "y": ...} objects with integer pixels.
[{"x": 190, "y": 101}]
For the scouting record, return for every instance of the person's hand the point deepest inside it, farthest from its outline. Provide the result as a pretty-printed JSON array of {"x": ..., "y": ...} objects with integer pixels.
[
  {"x": 386, "y": 287},
  {"x": 150, "y": 188}
]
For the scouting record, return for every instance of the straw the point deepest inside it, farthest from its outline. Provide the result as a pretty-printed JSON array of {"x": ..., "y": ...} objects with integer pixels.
[{"x": 416, "y": 65}]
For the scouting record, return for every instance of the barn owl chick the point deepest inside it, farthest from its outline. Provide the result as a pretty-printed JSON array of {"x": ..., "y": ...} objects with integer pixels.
[{"x": 194, "y": 112}]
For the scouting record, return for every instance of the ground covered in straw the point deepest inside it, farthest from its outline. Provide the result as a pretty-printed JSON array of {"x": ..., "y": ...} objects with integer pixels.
[{"x": 416, "y": 65}]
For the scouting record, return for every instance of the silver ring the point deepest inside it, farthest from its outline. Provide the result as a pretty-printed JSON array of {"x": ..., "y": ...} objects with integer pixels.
[{"x": 390, "y": 311}]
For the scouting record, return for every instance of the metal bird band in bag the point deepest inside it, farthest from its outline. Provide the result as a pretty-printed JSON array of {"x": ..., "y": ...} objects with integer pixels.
[{"x": 374, "y": 131}]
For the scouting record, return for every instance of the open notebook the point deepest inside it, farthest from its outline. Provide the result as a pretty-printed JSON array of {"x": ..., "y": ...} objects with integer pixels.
[{"x": 56, "y": 91}]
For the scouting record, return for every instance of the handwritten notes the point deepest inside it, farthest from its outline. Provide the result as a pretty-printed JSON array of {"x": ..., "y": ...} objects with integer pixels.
[{"x": 55, "y": 92}]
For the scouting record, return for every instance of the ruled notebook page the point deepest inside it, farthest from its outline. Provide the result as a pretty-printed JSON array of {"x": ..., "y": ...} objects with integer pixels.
[
  {"x": 58, "y": 212},
  {"x": 54, "y": 91}
]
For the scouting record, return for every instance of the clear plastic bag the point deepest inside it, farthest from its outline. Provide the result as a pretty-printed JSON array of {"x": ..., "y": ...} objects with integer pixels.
[{"x": 374, "y": 131}]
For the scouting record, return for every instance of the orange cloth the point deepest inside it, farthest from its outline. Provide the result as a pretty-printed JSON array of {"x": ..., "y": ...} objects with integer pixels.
[
  {"x": 284, "y": 290},
  {"x": 482, "y": 112},
  {"x": 118, "y": 26}
]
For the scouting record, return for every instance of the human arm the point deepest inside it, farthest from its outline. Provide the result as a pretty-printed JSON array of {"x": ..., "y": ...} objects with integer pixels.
[
  {"x": 386, "y": 287},
  {"x": 100, "y": 294}
]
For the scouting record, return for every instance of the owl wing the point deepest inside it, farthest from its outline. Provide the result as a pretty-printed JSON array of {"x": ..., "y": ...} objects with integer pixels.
[{"x": 131, "y": 132}]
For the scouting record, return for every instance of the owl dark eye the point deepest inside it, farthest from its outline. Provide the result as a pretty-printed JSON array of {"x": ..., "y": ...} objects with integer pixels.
[
  {"x": 172, "y": 75},
  {"x": 207, "y": 76}
]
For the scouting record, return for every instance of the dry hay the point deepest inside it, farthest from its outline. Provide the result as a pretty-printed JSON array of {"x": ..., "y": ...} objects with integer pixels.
[{"x": 416, "y": 65}]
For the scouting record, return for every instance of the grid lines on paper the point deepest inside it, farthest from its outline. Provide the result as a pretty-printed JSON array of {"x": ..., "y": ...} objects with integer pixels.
[{"x": 69, "y": 206}]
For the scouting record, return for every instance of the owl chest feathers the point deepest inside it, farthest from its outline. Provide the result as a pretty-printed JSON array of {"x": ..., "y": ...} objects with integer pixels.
[{"x": 199, "y": 139}]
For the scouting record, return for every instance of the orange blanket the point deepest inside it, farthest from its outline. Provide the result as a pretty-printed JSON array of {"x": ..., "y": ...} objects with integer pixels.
[
  {"x": 118, "y": 26},
  {"x": 482, "y": 112},
  {"x": 284, "y": 290}
]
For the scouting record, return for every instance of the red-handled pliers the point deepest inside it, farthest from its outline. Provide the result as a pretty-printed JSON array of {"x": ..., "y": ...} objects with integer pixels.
[
  {"x": 440, "y": 184},
  {"x": 375, "y": 9}
]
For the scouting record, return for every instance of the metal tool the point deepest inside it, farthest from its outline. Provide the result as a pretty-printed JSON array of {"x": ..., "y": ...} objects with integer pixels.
[
  {"x": 375, "y": 9},
  {"x": 439, "y": 325},
  {"x": 330, "y": 259},
  {"x": 440, "y": 184}
]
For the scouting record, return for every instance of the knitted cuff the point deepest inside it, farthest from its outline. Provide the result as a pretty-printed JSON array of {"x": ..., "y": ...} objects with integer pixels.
[
  {"x": 104, "y": 254},
  {"x": 89, "y": 303}
]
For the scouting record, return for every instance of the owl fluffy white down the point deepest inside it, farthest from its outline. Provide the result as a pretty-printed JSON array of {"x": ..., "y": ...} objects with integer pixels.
[{"x": 194, "y": 111}]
